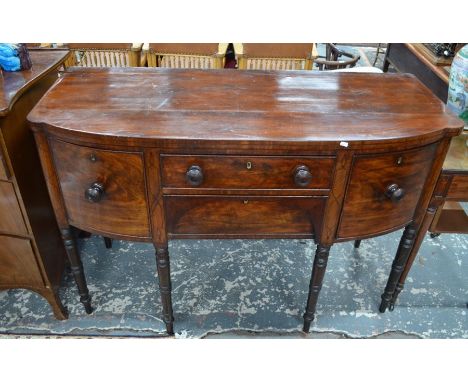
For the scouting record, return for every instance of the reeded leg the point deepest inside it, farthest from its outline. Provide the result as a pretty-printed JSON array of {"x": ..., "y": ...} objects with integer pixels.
[
  {"x": 77, "y": 268},
  {"x": 318, "y": 272},
  {"x": 108, "y": 242},
  {"x": 404, "y": 249},
  {"x": 357, "y": 243},
  {"x": 162, "y": 261}
]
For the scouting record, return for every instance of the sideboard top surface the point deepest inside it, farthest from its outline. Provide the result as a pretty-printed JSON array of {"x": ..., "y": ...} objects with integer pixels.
[
  {"x": 13, "y": 84},
  {"x": 234, "y": 105}
]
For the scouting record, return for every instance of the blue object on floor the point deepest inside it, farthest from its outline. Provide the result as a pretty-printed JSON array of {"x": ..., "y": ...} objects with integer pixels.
[
  {"x": 257, "y": 285},
  {"x": 9, "y": 60}
]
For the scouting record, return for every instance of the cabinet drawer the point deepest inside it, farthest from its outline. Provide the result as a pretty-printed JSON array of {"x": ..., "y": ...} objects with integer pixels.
[
  {"x": 17, "y": 263},
  {"x": 244, "y": 172},
  {"x": 370, "y": 207},
  {"x": 114, "y": 179},
  {"x": 11, "y": 218},
  {"x": 246, "y": 216}
]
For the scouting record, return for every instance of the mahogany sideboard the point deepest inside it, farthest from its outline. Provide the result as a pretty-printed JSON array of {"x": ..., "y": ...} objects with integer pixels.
[
  {"x": 159, "y": 154},
  {"x": 32, "y": 254}
]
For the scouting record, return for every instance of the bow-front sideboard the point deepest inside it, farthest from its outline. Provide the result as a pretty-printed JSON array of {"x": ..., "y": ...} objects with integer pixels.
[{"x": 158, "y": 154}]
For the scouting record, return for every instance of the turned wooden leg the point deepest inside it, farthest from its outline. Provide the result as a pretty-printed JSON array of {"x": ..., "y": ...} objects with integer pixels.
[
  {"x": 428, "y": 218},
  {"x": 357, "y": 243},
  {"x": 107, "y": 242},
  {"x": 401, "y": 257},
  {"x": 77, "y": 268},
  {"x": 318, "y": 272},
  {"x": 162, "y": 261}
]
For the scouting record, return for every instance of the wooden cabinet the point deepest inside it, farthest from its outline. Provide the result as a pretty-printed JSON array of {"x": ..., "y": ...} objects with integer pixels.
[
  {"x": 246, "y": 154},
  {"x": 32, "y": 254}
]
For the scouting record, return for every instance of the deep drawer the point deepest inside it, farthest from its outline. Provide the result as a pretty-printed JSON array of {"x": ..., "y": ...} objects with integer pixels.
[
  {"x": 243, "y": 216},
  {"x": 370, "y": 206},
  {"x": 244, "y": 172},
  {"x": 11, "y": 218},
  {"x": 119, "y": 205},
  {"x": 18, "y": 263}
]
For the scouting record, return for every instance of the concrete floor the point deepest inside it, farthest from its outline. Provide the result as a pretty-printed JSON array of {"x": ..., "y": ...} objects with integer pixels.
[{"x": 300, "y": 335}]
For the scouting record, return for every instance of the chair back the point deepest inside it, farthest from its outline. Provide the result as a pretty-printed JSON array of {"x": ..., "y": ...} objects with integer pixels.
[
  {"x": 277, "y": 56},
  {"x": 104, "y": 55},
  {"x": 334, "y": 59},
  {"x": 195, "y": 56}
]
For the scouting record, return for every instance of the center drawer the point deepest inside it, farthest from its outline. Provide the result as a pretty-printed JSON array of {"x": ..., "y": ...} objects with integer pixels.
[
  {"x": 246, "y": 172},
  {"x": 247, "y": 216}
]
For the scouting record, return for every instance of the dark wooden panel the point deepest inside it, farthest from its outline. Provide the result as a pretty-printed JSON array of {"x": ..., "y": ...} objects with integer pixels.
[
  {"x": 3, "y": 168},
  {"x": 17, "y": 263},
  {"x": 250, "y": 216},
  {"x": 122, "y": 209},
  {"x": 458, "y": 189},
  {"x": 367, "y": 210},
  {"x": 406, "y": 59},
  {"x": 245, "y": 171},
  {"x": 11, "y": 218}
]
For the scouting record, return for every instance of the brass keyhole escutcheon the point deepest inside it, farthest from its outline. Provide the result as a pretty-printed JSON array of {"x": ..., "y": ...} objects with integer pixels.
[
  {"x": 246, "y": 201},
  {"x": 93, "y": 157},
  {"x": 399, "y": 161},
  {"x": 249, "y": 165}
]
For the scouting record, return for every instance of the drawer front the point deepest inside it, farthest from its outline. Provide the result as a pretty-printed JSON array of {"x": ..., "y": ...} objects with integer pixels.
[
  {"x": 243, "y": 172},
  {"x": 103, "y": 190},
  {"x": 247, "y": 216},
  {"x": 11, "y": 218},
  {"x": 17, "y": 263},
  {"x": 371, "y": 205}
]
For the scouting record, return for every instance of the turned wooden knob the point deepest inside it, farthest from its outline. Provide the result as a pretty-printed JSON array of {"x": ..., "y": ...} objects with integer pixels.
[
  {"x": 394, "y": 192},
  {"x": 302, "y": 176},
  {"x": 194, "y": 175},
  {"x": 94, "y": 193}
]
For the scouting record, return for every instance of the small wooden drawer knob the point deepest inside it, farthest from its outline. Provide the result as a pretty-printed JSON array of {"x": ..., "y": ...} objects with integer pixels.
[
  {"x": 94, "y": 193},
  {"x": 394, "y": 192},
  {"x": 302, "y": 176},
  {"x": 194, "y": 176}
]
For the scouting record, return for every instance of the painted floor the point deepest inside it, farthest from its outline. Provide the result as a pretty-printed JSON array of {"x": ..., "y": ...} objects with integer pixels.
[{"x": 255, "y": 286}]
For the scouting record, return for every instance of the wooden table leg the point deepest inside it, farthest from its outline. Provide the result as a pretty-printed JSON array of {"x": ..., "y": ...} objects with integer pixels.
[
  {"x": 164, "y": 275},
  {"x": 107, "y": 242},
  {"x": 318, "y": 272},
  {"x": 428, "y": 218},
  {"x": 77, "y": 268},
  {"x": 357, "y": 243},
  {"x": 401, "y": 257}
]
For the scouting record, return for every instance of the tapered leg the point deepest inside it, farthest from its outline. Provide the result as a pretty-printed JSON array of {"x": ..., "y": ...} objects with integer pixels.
[
  {"x": 77, "y": 268},
  {"x": 357, "y": 243},
  {"x": 318, "y": 272},
  {"x": 60, "y": 312},
  {"x": 107, "y": 242},
  {"x": 164, "y": 275},
  {"x": 404, "y": 249}
]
